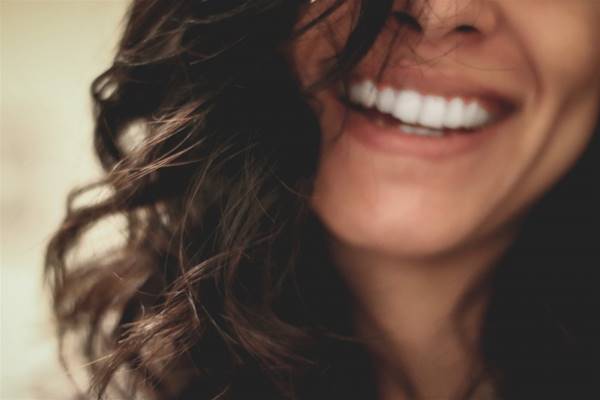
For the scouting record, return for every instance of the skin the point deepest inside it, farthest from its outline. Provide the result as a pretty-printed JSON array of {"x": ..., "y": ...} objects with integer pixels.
[{"x": 411, "y": 235}]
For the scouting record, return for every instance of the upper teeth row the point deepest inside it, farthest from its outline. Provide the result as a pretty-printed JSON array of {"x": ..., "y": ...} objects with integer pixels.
[{"x": 412, "y": 107}]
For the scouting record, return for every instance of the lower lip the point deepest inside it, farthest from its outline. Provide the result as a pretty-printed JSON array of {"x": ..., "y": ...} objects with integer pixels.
[{"x": 391, "y": 139}]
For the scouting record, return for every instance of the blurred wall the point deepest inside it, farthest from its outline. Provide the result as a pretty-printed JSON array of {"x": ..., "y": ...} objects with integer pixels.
[{"x": 50, "y": 52}]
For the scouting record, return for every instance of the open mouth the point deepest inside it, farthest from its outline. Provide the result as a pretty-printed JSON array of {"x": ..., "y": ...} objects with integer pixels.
[
  {"x": 427, "y": 115},
  {"x": 433, "y": 120}
]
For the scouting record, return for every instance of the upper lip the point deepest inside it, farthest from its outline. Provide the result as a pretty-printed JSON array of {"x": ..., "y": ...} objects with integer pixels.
[{"x": 498, "y": 99}]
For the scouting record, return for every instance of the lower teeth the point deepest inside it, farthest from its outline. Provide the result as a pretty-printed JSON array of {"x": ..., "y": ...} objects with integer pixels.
[{"x": 419, "y": 130}]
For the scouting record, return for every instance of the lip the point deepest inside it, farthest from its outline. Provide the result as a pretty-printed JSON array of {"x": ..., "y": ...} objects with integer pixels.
[{"x": 390, "y": 139}]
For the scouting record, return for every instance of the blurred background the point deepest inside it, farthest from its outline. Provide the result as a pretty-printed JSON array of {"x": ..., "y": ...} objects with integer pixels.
[{"x": 50, "y": 52}]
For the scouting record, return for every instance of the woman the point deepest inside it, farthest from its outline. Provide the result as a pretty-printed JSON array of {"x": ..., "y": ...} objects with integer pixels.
[{"x": 343, "y": 199}]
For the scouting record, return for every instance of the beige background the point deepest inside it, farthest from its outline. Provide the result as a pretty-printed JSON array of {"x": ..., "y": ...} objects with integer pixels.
[{"x": 50, "y": 52}]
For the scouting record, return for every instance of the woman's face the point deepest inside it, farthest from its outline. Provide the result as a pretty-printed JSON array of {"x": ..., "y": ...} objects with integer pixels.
[{"x": 533, "y": 66}]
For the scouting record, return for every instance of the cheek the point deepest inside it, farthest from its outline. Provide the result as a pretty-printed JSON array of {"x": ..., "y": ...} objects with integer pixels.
[
  {"x": 567, "y": 56},
  {"x": 567, "y": 95}
]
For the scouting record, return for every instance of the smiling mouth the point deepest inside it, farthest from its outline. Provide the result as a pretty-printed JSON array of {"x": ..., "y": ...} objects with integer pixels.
[{"x": 428, "y": 115}]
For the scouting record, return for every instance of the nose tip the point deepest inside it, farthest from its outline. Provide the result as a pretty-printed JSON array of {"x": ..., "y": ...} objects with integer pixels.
[{"x": 436, "y": 20}]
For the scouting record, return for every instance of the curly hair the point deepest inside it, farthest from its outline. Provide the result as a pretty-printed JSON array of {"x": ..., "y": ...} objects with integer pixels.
[{"x": 222, "y": 287}]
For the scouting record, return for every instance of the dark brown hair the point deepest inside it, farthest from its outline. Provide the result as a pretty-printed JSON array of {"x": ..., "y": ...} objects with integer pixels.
[{"x": 222, "y": 287}]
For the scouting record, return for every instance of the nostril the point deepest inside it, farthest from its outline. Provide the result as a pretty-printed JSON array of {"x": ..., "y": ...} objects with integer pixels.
[{"x": 405, "y": 19}]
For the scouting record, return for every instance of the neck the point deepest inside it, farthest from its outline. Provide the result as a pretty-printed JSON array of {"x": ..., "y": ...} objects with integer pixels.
[{"x": 420, "y": 319}]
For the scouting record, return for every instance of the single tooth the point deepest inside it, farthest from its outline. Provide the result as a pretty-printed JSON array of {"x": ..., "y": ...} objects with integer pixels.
[
  {"x": 454, "y": 114},
  {"x": 355, "y": 93},
  {"x": 427, "y": 132},
  {"x": 475, "y": 115},
  {"x": 408, "y": 106},
  {"x": 369, "y": 94},
  {"x": 407, "y": 128},
  {"x": 483, "y": 116},
  {"x": 386, "y": 99},
  {"x": 362, "y": 93},
  {"x": 433, "y": 112}
]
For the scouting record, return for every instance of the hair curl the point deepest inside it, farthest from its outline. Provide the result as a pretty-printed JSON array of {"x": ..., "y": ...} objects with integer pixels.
[{"x": 222, "y": 287}]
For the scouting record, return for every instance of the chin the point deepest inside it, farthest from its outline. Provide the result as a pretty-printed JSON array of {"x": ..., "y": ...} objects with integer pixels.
[{"x": 408, "y": 236}]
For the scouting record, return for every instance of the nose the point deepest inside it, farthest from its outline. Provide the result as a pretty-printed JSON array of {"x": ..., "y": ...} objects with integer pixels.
[{"x": 440, "y": 22}]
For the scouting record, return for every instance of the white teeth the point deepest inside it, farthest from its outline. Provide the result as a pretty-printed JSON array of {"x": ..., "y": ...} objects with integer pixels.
[
  {"x": 369, "y": 94},
  {"x": 417, "y": 130},
  {"x": 408, "y": 106},
  {"x": 411, "y": 107},
  {"x": 454, "y": 113},
  {"x": 433, "y": 112},
  {"x": 474, "y": 115},
  {"x": 364, "y": 93},
  {"x": 386, "y": 99}
]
